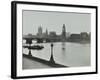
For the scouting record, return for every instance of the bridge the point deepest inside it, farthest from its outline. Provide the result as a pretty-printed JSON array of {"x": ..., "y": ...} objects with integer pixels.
[{"x": 41, "y": 39}]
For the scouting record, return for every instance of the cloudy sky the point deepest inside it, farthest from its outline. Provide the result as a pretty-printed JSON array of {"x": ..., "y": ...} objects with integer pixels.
[{"x": 53, "y": 21}]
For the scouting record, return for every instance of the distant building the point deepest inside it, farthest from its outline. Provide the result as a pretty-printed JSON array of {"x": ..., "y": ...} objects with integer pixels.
[
  {"x": 75, "y": 37},
  {"x": 52, "y": 34},
  {"x": 84, "y": 35},
  {"x": 68, "y": 34},
  {"x": 39, "y": 31},
  {"x": 53, "y": 37},
  {"x": 63, "y": 31}
]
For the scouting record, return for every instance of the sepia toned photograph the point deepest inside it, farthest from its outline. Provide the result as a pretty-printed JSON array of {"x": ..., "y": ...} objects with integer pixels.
[
  {"x": 56, "y": 39},
  {"x": 53, "y": 39}
]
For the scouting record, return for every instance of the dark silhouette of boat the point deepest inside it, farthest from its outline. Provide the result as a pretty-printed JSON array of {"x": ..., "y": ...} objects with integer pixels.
[{"x": 35, "y": 47}]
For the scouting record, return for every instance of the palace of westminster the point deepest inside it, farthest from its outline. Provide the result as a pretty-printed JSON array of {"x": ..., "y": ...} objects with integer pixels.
[{"x": 64, "y": 36}]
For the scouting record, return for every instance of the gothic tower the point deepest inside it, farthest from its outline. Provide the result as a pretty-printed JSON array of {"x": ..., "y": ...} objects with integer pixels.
[
  {"x": 40, "y": 31},
  {"x": 64, "y": 31}
]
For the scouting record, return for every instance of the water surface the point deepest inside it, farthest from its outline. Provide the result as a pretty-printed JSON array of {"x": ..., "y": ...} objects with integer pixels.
[{"x": 69, "y": 54}]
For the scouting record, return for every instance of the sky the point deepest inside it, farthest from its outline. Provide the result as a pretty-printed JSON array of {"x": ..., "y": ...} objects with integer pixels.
[{"x": 53, "y": 21}]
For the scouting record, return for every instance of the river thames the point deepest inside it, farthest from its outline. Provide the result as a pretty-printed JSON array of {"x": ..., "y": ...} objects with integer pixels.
[{"x": 65, "y": 53}]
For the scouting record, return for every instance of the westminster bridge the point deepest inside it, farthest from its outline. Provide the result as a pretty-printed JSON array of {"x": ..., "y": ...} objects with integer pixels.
[{"x": 42, "y": 39}]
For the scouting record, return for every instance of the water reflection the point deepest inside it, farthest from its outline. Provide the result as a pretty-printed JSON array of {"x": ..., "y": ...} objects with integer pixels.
[{"x": 63, "y": 47}]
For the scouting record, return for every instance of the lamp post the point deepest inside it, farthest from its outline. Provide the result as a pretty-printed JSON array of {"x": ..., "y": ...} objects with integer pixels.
[{"x": 51, "y": 58}]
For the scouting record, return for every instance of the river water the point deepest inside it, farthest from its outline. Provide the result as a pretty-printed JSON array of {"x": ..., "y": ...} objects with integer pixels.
[{"x": 65, "y": 53}]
